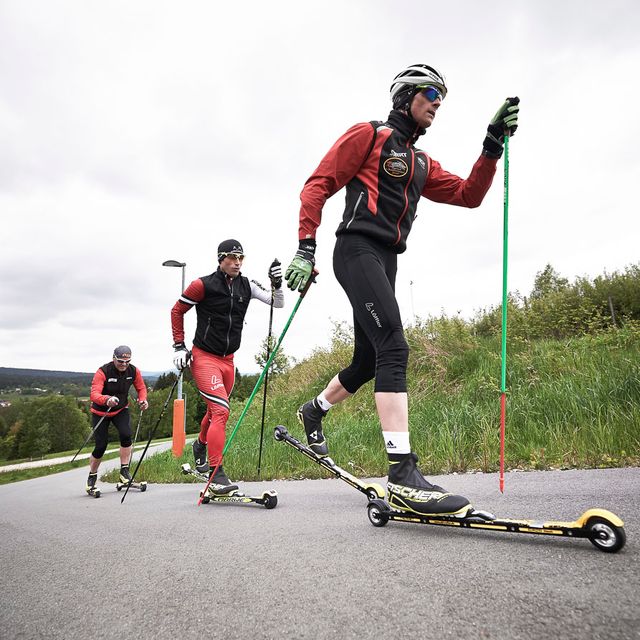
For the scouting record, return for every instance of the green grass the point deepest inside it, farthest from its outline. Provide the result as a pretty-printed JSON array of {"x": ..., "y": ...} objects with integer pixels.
[
  {"x": 571, "y": 403},
  {"x": 16, "y": 475},
  {"x": 37, "y": 472}
]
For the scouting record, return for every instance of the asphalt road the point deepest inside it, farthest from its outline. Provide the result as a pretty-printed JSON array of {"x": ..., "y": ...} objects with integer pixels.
[{"x": 160, "y": 567}]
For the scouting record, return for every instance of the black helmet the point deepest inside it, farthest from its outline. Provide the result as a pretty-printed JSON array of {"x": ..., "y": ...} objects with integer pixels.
[{"x": 404, "y": 85}]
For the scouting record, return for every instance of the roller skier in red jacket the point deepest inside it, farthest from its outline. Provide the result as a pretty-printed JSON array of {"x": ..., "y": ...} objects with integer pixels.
[
  {"x": 110, "y": 405},
  {"x": 221, "y": 300},
  {"x": 385, "y": 175}
]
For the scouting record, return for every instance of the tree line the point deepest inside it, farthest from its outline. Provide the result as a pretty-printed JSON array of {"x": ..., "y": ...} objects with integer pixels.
[{"x": 35, "y": 427}]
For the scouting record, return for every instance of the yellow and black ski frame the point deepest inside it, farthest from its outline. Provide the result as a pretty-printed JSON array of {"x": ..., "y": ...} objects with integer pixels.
[
  {"x": 372, "y": 490},
  {"x": 603, "y": 529},
  {"x": 269, "y": 499}
]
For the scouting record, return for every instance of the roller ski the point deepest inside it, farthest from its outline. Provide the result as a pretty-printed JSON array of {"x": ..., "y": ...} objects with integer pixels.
[
  {"x": 125, "y": 480},
  {"x": 90, "y": 487},
  {"x": 601, "y": 527},
  {"x": 222, "y": 490},
  {"x": 371, "y": 490}
]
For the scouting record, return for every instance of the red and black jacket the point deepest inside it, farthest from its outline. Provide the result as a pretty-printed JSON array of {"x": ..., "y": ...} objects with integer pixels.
[
  {"x": 221, "y": 305},
  {"x": 385, "y": 175},
  {"x": 108, "y": 381}
]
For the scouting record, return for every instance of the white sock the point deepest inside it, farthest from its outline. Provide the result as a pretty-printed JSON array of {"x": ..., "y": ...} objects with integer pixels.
[
  {"x": 396, "y": 441},
  {"x": 323, "y": 403}
]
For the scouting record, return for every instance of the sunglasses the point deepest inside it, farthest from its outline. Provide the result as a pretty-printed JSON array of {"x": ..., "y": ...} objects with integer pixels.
[
  {"x": 431, "y": 93},
  {"x": 235, "y": 256},
  {"x": 122, "y": 361}
]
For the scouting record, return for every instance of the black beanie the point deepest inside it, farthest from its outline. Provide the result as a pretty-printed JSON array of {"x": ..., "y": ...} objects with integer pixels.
[{"x": 229, "y": 246}]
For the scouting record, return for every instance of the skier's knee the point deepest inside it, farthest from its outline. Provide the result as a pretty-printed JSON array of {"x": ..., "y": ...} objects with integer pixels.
[
  {"x": 98, "y": 451},
  {"x": 359, "y": 372},
  {"x": 218, "y": 412},
  {"x": 391, "y": 369}
]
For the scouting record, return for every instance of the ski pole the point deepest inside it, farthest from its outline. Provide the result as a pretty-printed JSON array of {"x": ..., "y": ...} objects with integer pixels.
[
  {"x": 503, "y": 374},
  {"x": 84, "y": 444},
  {"x": 135, "y": 438},
  {"x": 259, "y": 382},
  {"x": 151, "y": 434},
  {"x": 266, "y": 382}
]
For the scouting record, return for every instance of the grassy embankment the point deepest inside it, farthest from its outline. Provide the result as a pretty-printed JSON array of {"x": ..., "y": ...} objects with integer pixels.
[
  {"x": 17, "y": 475},
  {"x": 571, "y": 403}
]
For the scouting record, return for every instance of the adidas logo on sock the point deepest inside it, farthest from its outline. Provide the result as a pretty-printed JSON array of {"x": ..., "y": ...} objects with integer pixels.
[{"x": 390, "y": 445}]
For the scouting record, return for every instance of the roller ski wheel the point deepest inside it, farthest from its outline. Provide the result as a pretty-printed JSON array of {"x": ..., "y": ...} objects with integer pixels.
[
  {"x": 373, "y": 490},
  {"x": 377, "y": 512},
  {"x": 601, "y": 527},
  {"x": 93, "y": 492},
  {"x": 605, "y": 535}
]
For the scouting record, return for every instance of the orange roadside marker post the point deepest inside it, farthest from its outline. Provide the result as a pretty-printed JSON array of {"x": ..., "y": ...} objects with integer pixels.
[{"x": 179, "y": 437}]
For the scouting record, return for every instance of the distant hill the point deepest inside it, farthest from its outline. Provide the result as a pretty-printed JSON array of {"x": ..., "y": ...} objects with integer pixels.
[{"x": 12, "y": 378}]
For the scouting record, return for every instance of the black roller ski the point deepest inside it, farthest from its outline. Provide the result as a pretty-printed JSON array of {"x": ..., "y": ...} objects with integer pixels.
[
  {"x": 601, "y": 527},
  {"x": 269, "y": 499},
  {"x": 93, "y": 492},
  {"x": 141, "y": 486},
  {"x": 373, "y": 490}
]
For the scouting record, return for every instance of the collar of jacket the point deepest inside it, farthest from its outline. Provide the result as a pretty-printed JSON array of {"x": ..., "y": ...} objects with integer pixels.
[
  {"x": 405, "y": 125},
  {"x": 219, "y": 273}
]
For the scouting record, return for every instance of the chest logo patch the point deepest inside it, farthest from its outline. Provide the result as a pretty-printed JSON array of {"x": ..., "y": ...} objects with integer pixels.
[{"x": 395, "y": 167}]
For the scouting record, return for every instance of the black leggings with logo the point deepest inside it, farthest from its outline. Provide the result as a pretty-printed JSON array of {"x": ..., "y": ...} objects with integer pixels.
[
  {"x": 121, "y": 421},
  {"x": 366, "y": 271}
]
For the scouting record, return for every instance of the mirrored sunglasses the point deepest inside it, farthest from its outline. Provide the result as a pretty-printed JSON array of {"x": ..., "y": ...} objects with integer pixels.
[
  {"x": 431, "y": 93},
  {"x": 235, "y": 256}
]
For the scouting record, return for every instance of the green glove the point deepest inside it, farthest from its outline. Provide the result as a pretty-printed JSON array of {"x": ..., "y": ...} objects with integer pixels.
[
  {"x": 299, "y": 271},
  {"x": 505, "y": 122}
]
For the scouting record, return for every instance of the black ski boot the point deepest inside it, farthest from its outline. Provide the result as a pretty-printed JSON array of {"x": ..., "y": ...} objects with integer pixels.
[
  {"x": 200, "y": 456},
  {"x": 310, "y": 416},
  {"x": 91, "y": 488},
  {"x": 220, "y": 484},
  {"x": 125, "y": 476},
  {"x": 408, "y": 490}
]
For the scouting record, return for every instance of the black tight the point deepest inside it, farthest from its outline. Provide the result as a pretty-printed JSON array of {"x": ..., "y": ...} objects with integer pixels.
[
  {"x": 367, "y": 272},
  {"x": 120, "y": 421}
]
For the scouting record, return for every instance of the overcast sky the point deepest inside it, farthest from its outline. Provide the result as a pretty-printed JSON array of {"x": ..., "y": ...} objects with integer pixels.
[{"x": 136, "y": 132}]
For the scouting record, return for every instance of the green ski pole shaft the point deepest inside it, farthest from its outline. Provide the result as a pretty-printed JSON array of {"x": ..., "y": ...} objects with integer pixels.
[
  {"x": 266, "y": 368},
  {"x": 503, "y": 373}
]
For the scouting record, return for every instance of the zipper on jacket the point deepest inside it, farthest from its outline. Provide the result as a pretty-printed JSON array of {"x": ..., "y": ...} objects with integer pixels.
[
  {"x": 230, "y": 310},
  {"x": 204, "y": 338},
  {"x": 406, "y": 198},
  {"x": 355, "y": 208}
]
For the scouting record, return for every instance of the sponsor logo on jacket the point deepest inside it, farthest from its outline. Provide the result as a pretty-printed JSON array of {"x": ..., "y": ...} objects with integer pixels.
[{"x": 395, "y": 167}]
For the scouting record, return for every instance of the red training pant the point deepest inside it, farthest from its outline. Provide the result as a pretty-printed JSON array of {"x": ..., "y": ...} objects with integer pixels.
[{"x": 214, "y": 377}]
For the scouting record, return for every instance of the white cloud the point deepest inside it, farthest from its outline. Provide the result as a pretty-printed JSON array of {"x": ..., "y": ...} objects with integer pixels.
[{"x": 135, "y": 133}]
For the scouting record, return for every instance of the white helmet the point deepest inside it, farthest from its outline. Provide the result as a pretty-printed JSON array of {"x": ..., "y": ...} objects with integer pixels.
[{"x": 414, "y": 76}]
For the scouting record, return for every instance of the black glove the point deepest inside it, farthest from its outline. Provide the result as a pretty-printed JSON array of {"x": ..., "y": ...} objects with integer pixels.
[
  {"x": 505, "y": 122},
  {"x": 275, "y": 274}
]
